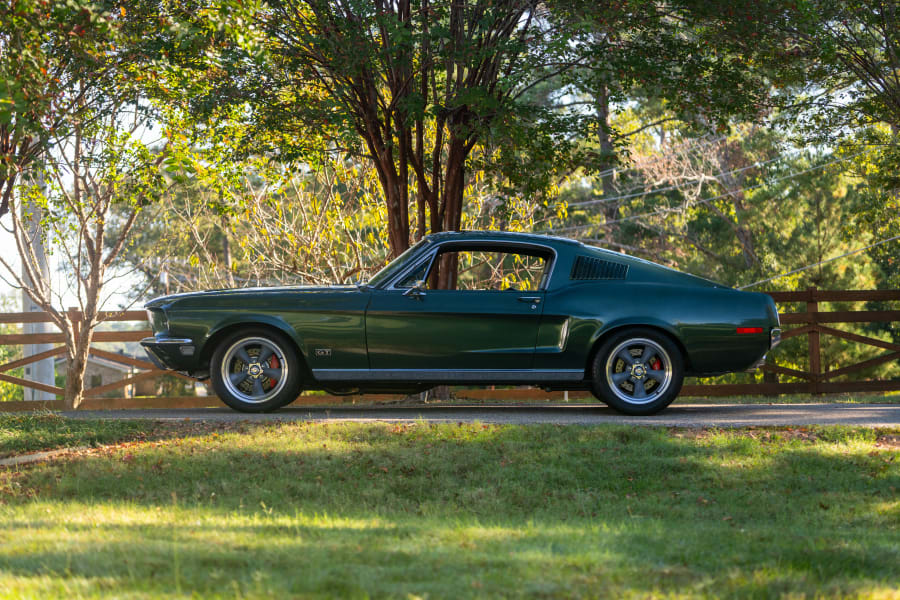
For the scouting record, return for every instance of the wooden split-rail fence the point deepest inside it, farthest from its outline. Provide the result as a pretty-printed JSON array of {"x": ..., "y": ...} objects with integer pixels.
[{"x": 810, "y": 322}]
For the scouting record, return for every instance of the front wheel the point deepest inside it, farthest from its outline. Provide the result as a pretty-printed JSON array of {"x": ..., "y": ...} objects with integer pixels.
[
  {"x": 638, "y": 372},
  {"x": 255, "y": 371}
]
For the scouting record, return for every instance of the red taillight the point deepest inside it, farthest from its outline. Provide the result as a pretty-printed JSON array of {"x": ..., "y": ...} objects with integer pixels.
[{"x": 749, "y": 329}]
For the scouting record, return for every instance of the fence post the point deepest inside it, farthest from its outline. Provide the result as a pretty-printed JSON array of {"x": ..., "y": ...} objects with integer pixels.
[{"x": 815, "y": 356}]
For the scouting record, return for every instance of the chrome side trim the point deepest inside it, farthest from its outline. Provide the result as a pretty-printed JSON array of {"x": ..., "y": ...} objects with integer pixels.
[
  {"x": 512, "y": 375},
  {"x": 148, "y": 341},
  {"x": 563, "y": 335}
]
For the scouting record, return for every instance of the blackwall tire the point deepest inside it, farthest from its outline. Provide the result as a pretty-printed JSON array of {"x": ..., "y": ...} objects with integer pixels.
[
  {"x": 255, "y": 370},
  {"x": 637, "y": 371}
]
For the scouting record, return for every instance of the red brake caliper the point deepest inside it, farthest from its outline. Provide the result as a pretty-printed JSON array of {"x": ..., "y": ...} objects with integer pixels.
[
  {"x": 273, "y": 364},
  {"x": 655, "y": 364}
]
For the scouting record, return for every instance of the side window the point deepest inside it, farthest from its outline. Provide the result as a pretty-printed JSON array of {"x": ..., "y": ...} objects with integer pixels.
[{"x": 492, "y": 270}]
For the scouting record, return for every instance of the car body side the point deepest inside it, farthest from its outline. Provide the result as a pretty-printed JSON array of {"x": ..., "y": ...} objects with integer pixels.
[{"x": 330, "y": 328}]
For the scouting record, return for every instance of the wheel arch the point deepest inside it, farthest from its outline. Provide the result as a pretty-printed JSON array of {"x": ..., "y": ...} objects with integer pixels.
[
  {"x": 604, "y": 334},
  {"x": 261, "y": 322}
]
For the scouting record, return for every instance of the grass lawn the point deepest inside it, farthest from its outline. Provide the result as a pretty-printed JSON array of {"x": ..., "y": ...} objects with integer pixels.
[
  {"x": 32, "y": 431},
  {"x": 241, "y": 510}
]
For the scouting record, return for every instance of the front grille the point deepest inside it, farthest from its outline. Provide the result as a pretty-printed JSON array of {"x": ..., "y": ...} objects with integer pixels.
[{"x": 588, "y": 267}]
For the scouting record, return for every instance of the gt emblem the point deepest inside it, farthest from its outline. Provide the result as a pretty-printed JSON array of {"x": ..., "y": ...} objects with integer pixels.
[{"x": 323, "y": 352}]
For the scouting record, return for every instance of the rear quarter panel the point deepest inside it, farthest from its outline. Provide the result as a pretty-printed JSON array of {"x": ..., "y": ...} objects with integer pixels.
[{"x": 703, "y": 320}]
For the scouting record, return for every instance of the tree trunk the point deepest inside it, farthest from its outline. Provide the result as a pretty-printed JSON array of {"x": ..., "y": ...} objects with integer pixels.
[
  {"x": 76, "y": 365},
  {"x": 397, "y": 214},
  {"x": 607, "y": 151},
  {"x": 454, "y": 185},
  {"x": 78, "y": 348},
  {"x": 226, "y": 253},
  {"x": 398, "y": 235}
]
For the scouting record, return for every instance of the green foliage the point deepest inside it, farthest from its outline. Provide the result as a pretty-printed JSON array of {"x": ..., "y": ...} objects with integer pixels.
[
  {"x": 428, "y": 91},
  {"x": 61, "y": 63},
  {"x": 850, "y": 51},
  {"x": 46, "y": 48},
  {"x": 90, "y": 199}
]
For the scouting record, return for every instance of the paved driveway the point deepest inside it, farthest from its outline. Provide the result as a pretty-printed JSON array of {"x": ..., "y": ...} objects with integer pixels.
[{"x": 684, "y": 415}]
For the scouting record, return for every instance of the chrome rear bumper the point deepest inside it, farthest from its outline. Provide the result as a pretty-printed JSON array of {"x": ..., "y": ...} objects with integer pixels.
[
  {"x": 757, "y": 364},
  {"x": 774, "y": 337}
]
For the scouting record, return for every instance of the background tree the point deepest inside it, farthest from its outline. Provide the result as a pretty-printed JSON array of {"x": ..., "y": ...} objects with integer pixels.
[
  {"x": 60, "y": 62},
  {"x": 839, "y": 64},
  {"x": 99, "y": 167},
  {"x": 272, "y": 225},
  {"x": 426, "y": 91}
]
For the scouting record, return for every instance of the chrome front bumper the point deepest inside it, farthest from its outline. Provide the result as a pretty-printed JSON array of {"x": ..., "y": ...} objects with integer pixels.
[
  {"x": 163, "y": 340},
  {"x": 165, "y": 351}
]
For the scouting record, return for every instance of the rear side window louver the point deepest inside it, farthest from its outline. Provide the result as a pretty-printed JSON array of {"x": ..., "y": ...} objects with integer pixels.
[{"x": 587, "y": 267}]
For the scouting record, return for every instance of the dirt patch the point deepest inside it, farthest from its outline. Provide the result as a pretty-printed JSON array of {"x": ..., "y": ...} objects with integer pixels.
[{"x": 888, "y": 442}]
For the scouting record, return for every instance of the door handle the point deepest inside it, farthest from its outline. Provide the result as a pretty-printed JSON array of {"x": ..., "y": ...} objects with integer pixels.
[{"x": 532, "y": 299}]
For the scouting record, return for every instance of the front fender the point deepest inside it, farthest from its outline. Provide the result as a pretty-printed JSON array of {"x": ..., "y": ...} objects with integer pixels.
[{"x": 248, "y": 320}]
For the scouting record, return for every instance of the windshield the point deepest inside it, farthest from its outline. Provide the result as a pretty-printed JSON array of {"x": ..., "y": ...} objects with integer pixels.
[{"x": 396, "y": 265}]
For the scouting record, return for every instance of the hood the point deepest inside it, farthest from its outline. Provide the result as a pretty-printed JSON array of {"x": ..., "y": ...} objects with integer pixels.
[{"x": 254, "y": 291}]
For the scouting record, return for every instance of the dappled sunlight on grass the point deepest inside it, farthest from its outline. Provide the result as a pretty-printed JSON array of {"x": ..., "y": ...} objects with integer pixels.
[{"x": 460, "y": 511}]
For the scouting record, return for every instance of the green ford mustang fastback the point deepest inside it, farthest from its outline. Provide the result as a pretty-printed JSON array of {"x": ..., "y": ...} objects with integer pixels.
[{"x": 474, "y": 308}]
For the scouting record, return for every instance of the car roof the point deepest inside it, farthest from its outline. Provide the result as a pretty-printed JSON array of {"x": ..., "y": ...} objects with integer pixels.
[{"x": 501, "y": 236}]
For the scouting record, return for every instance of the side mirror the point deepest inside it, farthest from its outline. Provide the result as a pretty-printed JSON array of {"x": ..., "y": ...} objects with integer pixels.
[{"x": 417, "y": 290}]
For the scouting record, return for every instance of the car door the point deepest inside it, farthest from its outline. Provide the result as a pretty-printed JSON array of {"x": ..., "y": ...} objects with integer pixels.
[{"x": 485, "y": 324}]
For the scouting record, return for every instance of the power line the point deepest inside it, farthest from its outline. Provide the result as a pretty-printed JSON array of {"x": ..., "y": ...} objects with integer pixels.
[
  {"x": 680, "y": 185},
  {"x": 821, "y": 262},
  {"x": 690, "y": 149},
  {"x": 705, "y": 200},
  {"x": 696, "y": 145}
]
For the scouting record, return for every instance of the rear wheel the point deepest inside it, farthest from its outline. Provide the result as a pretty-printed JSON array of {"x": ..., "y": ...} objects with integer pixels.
[
  {"x": 638, "y": 371},
  {"x": 255, "y": 370}
]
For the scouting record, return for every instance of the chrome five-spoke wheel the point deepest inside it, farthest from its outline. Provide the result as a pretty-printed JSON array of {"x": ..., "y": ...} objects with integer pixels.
[
  {"x": 638, "y": 371},
  {"x": 255, "y": 372},
  {"x": 254, "y": 369}
]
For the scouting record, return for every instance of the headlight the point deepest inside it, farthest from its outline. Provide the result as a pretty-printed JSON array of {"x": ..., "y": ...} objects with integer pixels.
[{"x": 158, "y": 320}]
